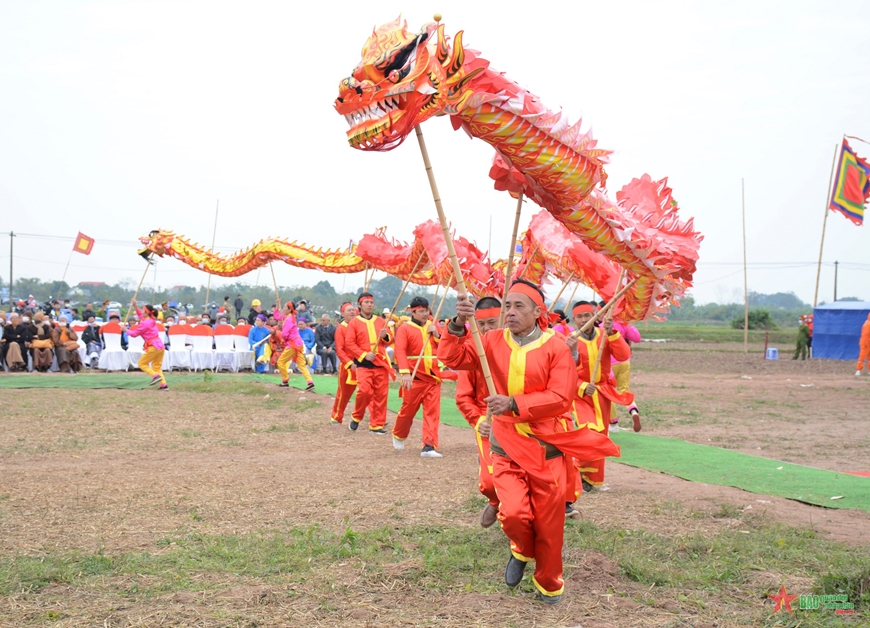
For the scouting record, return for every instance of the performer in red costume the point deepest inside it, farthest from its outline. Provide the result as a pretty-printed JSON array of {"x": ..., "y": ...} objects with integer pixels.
[
  {"x": 366, "y": 339},
  {"x": 535, "y": 381},
  {"x": 470, "y": 394},
  {"x": 346, "y": 367},
  {"x": 416, "y": 341},
  {"x": 593, "y": 398}
]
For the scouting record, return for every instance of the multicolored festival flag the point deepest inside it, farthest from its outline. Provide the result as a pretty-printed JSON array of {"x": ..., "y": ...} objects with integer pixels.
[
  {"x": 84, "y": 244},
  {"x": 852, "y": 185}
]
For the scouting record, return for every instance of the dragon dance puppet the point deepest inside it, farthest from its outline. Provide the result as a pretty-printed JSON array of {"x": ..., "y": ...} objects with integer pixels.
[{"x": 405, "y": 78}]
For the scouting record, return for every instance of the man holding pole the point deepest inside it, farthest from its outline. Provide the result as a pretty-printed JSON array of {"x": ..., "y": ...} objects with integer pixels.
[
  {"x": 416, "y": 346},
  {"x": 535, "y": 382},
  {"x": 366, "y": 340},
  {"x": 593, "y": 350},
  {"x": 346, "y": 366},
  {"x": 470, "y": 395}
]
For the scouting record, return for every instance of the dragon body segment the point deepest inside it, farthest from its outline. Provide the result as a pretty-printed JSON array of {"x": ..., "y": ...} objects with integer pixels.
[{"x": 405, "y": 78}]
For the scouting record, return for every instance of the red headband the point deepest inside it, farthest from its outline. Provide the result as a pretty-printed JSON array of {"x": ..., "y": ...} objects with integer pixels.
[
  {"x": 487, "y": 312},
  {"x": 535, "y": 295},
  {"x": 582, "y": 307},
  {"x": 345, "y": 305},
  {"x": 366, "y": 296}
]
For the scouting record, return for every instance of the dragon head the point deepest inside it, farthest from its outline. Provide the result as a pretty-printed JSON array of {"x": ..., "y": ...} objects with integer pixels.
[
  {"x": 402, "y": 80},
  {"x": 156, "y": 242}
]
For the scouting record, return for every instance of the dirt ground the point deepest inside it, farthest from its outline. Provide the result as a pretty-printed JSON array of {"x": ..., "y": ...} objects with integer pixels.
[{"x": 122, "y": 471}]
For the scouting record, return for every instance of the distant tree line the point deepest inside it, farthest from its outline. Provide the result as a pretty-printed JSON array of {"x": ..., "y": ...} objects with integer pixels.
[{"x": 322, "y": 297}]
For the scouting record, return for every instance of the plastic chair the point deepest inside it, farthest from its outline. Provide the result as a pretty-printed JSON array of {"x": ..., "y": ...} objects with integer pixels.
[
  {"x": 224, "y": 348},
  {"x": 135, "y": 350},
  {"x": 202, "y": 356},
  {"x": 178, "y": 355},
  {"x": 772, "y": 354},
  {"x": 113, "y": 357},
  {"x": 244, "y": 353}
]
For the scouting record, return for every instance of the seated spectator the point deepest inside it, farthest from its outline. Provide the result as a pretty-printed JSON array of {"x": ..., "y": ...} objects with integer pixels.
[
  {"x": 92, "y": 340},
  {"x": 41, "y": 345},
  {"x": 222, "y": 319},
  {"x": 256, "y": 310},
  {"x": 308, "y": 337},
  {"x": 302, "y": 313},
  {"x": 116, "y": 318},
  {"x": 66, "y": 310},
  {"x": 66, "y": 347},
  {"x": 16, "y": 336},
  {"x": 325, "y": 335},
  {"x": 89, "y": 311},
  {"x": 242, "y": 321}
]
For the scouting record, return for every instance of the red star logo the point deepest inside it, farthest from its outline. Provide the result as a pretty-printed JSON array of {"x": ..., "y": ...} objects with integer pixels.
[{"x": 783, "y": 599}]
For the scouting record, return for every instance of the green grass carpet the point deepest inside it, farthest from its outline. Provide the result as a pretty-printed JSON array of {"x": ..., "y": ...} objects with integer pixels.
[{"x": 703, "y": 463}]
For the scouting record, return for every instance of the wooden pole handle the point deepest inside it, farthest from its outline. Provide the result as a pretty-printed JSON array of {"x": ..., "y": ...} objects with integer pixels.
[
  {"x": 606, "y": 309},
  {"x": 275, "y": 283},
  {"x": 559, "y": 295},
  {"x": 457, "y": 270},
  {"x": 526, "y": 267},
  {"x": 136, "y": 294},
  {"x": 510, "y": 260}
]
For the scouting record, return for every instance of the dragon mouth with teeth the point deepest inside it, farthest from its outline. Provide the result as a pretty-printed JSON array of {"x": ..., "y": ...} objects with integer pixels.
[{"x": 402, "y": 80}]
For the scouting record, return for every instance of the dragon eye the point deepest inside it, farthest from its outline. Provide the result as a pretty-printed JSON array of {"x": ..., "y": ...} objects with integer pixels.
[{"x": 394, "y": 76}]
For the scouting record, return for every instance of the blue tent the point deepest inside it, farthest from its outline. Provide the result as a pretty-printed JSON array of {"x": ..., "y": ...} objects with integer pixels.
[{"x": 837, "y": 329}]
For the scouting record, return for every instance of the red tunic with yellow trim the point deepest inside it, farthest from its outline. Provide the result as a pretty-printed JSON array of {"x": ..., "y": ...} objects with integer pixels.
[
  {"x": 361, "y": 337},
  {"x": 344, "y": 360},
  {"x": 409, "y": 346},
  {"x": 594, "y": 410},
  {"x": 542, "y": 380}
]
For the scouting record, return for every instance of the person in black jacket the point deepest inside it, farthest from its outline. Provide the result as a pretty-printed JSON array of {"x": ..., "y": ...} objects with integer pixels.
[
  {"x": 17, "y": 336},
  {"x": 238, "y": 305},
  {"x": 324, "y": 334},
  {"x": 92, "y": 340}
]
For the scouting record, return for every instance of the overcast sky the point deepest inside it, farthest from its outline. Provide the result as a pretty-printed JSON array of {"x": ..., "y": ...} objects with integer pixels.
[{"x": 120, "y": 117}]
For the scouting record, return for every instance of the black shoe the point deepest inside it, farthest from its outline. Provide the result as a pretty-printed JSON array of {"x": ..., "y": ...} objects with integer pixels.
[
  {"x": 513, "y": 573},
  {"x": 378, "y": 430},
  {"x": 284, "y": 385},
  {"x": 310, "y": 387},
  {"x": 549, "y": 599},
  {"x": 587, "y": 487},
  {"x": 571, "y": 512},
  {"x": 353, "y": 425}
]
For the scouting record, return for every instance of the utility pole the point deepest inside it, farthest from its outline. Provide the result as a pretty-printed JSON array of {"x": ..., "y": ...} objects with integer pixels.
[
  {"x": 11, "y": 279},
  {"x": 835, "y": 279}
]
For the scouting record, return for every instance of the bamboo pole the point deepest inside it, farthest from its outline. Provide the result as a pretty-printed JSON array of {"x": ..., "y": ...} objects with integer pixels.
[
  {"x": 559, "y": 295},
  {"x": 571, "y": 298},
  {"x": 745, "y": 276},
  {"x": 824, "y": 225},
  {"x": 277, "y": 293},
  {"x": 457, "y": 270},
  {"x": 435, "y": 320},
  {"x": 213, "y": 234},
  {"x": 510, "y": 259},
  {"x": 526, "y": 267},
  {"x": 366, "y": 278},
  {"x": 405, "y": 287},
  {"x": 607, "y": 306},
  {"x": 136, "y": 294}
]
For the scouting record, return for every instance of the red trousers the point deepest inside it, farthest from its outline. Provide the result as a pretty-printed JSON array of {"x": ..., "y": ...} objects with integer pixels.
[
  {"x": 371, "y": 393},
  {"x": 593, "y": 470},
  {"x": 423, "y": 393},
  {"x": 484, "y": 457},
  {"x": 532, "y": 515},
  {"x": 344, "y": 392}
]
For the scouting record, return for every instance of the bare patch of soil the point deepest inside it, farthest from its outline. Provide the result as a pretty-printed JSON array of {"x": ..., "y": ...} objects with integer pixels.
[{"x": 124, "y": 471}]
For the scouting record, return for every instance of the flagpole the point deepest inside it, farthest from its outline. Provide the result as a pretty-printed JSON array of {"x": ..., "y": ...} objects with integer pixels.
[
  {"x": 745, "y": 276},
  {"x": 824, "y": 225},
  {"x": 213, "y": 234},
  {"x": 68, "y": 260}
]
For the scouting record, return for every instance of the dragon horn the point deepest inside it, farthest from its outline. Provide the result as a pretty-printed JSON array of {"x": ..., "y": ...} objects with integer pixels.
[
  {"x": 442, "y": 51},
  {"x": 457, "y": 58}
]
